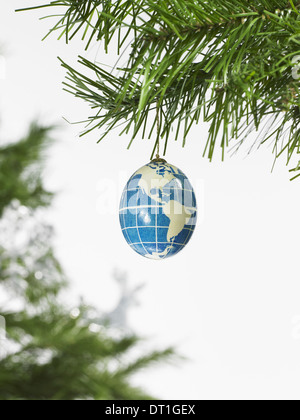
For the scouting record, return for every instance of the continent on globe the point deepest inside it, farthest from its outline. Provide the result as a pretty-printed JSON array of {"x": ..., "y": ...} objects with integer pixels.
[{"x": 158, "y": 210}]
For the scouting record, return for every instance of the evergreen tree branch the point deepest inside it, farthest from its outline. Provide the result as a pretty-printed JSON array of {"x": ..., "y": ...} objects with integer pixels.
[
  {"x": 227, "y": 63},
  {"x": 51, "y": 353},
  {"x": 21, "y": 167}
]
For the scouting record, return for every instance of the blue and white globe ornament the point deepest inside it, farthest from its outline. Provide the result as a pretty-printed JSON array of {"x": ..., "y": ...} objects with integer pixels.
[{"x": 158, "y": 210}]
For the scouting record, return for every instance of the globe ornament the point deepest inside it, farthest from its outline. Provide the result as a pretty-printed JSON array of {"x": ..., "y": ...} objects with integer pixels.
[{"x": 158, "y": 210}]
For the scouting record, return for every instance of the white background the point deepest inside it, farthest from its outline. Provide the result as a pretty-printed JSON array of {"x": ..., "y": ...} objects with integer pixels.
[{"x": 231, "y": 301}]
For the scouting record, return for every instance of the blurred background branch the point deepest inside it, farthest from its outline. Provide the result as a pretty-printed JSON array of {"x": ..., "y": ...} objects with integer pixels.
[{"x": 53, "y": 351}]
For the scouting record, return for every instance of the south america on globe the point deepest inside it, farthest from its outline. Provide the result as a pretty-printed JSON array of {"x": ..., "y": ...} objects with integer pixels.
[{"x": 158, "y": 210}]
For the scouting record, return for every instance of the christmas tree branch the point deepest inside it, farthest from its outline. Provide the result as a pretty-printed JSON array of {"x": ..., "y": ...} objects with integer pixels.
[{"x": 230, "y": 64}]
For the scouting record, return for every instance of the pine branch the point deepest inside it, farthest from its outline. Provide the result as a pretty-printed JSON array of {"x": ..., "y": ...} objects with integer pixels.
[
  {"x": 228, "y": 63},
  {"x": 51, "y": 353},
  {"x": 21, "y": 165},
  {"x": 145, "y": 361}
]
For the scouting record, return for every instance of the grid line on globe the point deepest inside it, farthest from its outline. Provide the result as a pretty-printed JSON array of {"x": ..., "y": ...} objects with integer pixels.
[{"x": 158, "y": 210}]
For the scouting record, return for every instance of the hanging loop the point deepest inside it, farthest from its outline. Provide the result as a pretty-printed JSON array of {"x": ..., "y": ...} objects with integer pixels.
[
  {"x": 158, "y": 158},
  {"x": 158, "y": 130}
]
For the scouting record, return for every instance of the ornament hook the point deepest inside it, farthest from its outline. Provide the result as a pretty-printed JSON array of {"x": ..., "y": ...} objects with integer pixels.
[
  {"x": 158, "y": 130},
  {"x": 158, "y": 158}
]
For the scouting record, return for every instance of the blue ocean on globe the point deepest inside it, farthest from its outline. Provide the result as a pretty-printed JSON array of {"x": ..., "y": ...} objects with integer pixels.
[{"x": 158, "y": 210}]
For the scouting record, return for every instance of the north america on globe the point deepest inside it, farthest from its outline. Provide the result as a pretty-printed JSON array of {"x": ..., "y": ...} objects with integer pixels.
[{"x": 158, "y": 210}]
